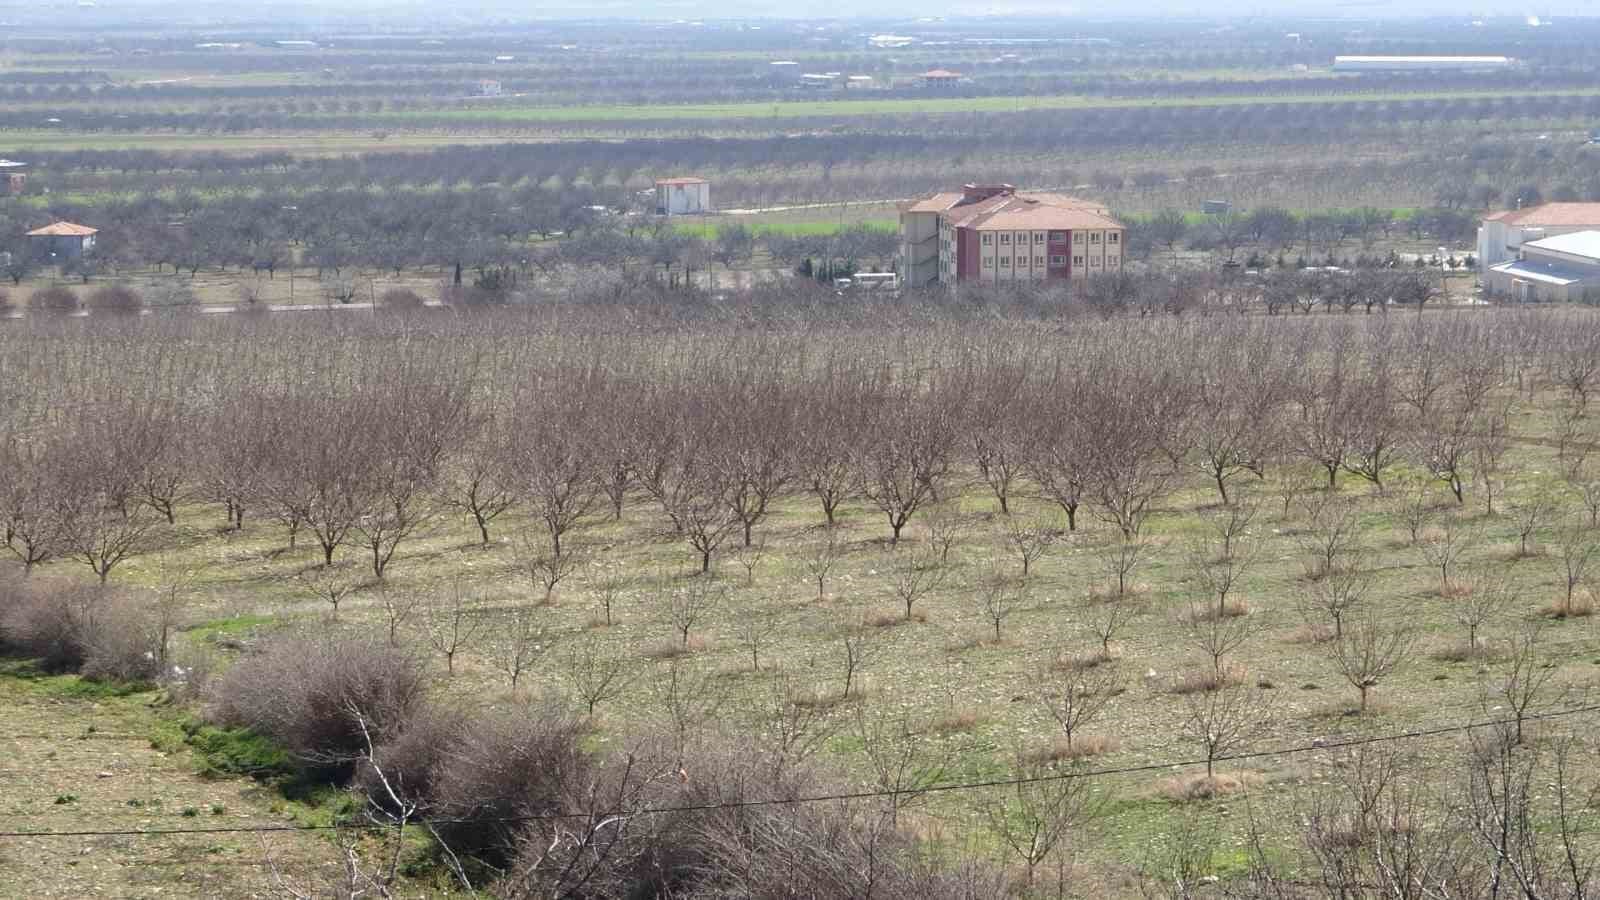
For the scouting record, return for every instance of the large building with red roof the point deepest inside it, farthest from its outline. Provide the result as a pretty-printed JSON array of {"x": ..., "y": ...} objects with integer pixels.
[
  {"x": 995, "y": 233},
  {"x": 1502, "y": 234}
]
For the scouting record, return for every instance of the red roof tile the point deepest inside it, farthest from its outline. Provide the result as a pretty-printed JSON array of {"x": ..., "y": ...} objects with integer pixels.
[
  {"x": 63, "y": 229},
  {"x": 1550, "y": 214}
]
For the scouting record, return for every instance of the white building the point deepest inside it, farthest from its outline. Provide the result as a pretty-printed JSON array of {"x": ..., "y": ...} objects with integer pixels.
[
  {"x": 1502, "y": 234},
  {"x": 682, "y": 196},
  {"x": 1419, "y": 63},
  {"x": 1561, "y": 268}
]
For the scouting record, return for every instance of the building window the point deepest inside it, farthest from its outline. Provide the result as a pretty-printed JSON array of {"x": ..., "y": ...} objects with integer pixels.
[
  {"x": 1111, "y": 238},
  {"x": 1111, "y": 261},
  {"x": 1005, "y": 261},
  {"x": 1038, "y": 260},
  {"x": 1094, "y": 238},
  {"x": 1058, "y": 260},
  {"x": 1095, "y": 262},
  {"x": 1077, "y": 237},
  {"x": 1058, "y": 235},
  {"x": 988, "y": 262},
  {"x": 1038, "y": 237},
  {"x": 1077, "y": 260},
  {"x": 1005, "y": 237},
  {"x": 988, "y": 239}
]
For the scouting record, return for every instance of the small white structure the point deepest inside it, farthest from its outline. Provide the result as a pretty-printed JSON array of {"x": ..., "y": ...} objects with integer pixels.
[
  {"x": 682, "y": 196},
  {"x": 488, "y": 87},
  {"x": 1419, "y": 63},
  {"x": 1561, "y": 268}
]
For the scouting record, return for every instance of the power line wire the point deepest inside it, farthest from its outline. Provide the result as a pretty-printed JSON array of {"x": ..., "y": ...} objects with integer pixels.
[{"x": 1315, "y": 746}]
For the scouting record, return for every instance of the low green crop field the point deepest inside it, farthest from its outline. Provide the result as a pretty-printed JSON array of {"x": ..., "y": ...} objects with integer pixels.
[{"x": 710, "y": 229}]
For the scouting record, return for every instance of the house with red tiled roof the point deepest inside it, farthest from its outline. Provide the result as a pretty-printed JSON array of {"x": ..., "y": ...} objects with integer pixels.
[
  {"x": 995, "y": 233},
  {"x": 62, "y": 240},
  {"x": 1503, "y": 233}
]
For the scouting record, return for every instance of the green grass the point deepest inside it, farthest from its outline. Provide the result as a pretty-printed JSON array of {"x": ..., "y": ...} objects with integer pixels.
[{"x": 69, "y": 686}]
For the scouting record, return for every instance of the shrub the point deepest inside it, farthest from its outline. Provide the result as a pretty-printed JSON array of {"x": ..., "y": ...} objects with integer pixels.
[
  {"x": 512, "y": 762},
  {"x": 116, "y": 298},
  {"x": 121, "y": 642},
  {"x": 70, "y": 627},
  {"x": 54, "y": 299},
  {"x": 311, "y": 695},
  {"x": 412, "y": 760}
]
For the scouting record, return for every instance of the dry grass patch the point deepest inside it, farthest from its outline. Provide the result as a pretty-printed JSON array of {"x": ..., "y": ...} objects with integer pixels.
[
  {"x": 1461, "y": 651},
  {"x": 1457, "y": 591},
  {"x": 1311, "y": 634},
  {"x": 1209, "y": 612},
  {"x": 1189, "y": 788},
  {"x": 889, "y": 618},
  {"x": 1209, "y": 679},
  {"x": 676, "y": 649},
  {"x": 1078, "y": 662},
  {"x": 1108, "y": 593},
  {"x": 1579, "y": 607},
  {"x": 959, "y": 719},
  {"x": 1083, "y": 747}
]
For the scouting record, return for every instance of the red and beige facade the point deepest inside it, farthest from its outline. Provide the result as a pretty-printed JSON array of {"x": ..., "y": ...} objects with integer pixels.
[{"x": 995, "y": 234}]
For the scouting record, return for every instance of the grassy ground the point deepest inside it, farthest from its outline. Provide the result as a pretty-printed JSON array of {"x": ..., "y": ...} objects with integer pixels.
[
  {"x": 81, "y": 758},
  {"x": 974, "y": 697}
]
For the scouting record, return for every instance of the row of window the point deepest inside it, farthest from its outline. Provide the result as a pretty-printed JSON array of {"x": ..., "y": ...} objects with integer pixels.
[
  {"x": 1077, "y": 261},
  {"x": 1039, "y": 237}
]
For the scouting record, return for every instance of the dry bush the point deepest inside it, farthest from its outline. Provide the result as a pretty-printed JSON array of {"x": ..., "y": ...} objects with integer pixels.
[
  {"x": 675, "y": 649},
  {"x": 1461, "y": 651},
  {"x": 1188, "y": 788},
  {"x": 71, "y": 627},
  {"x": 116, "y": 298},
  {"x": 320, "y": 697},
  {"x": 412, "y": 760},
  {"x": 508, "y": 763},
  {"x": 1209, "y": 679}
]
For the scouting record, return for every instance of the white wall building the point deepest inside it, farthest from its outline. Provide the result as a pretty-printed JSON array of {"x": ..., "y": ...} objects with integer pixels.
[
  {"x": 682, "y": 196},
  {"x": 1502, "y": 234}
]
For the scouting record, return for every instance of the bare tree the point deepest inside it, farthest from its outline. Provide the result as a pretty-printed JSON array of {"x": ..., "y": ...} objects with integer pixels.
[
  {"x": 1036, "y": 815},
  {"x": 749, "y": 557},
  {"x": 1488, "y": 600},
  {"x": 1334, "y": 598},
  {"x": 546, "y": 570},
  {"x": 1332, "y": 536},
  {"x": 1524, "y": 684},
  {"x": 903, "y": 763},
  {"x": 755, "y": 628},
  {"x": 598, "y": 673},
  {"x": 861, "y": 649},
  {"x": 475, "y": 480},
  {"x": 792, "y": 731},
  {"x": 690, "y": 604},
  {"x": 1576, "y": 547},
  {"x": 1000, "y": 598},
  {"x": 1029, "y": 538},
  {"x": 821, "y": 558},
  {"x": 330, "y": 584},
  {"x": 687, "y": 697},
  {"x": 1368, "y": 651},
  {"x": 1120, "y": 560},
  {"x": 1445, "y": 546},
  {"x": 946, "y": 528},
  {"x": 608, "y": 588},
  {"x": 1219, "y": 573},
  {"x": 1224, "y": 720},
  {"x": 902, "y": 467},
  {"x": 1531, "y": 514},
  {"x": 915, "y": 575},
  {"x": 1109, "y": 619},
  {"x": 399, "y": 608},
  {"x": 1232, "y": 524},
  {"x": 515, "y": 646},
  {"x": 1078, "y": 697},
  {"x": 453, "y": 625},
  {"x": 1217, "y": 637}
]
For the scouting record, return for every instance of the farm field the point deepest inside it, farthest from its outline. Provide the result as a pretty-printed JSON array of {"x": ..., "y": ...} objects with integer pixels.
[{"x": 397, "y": 503}]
